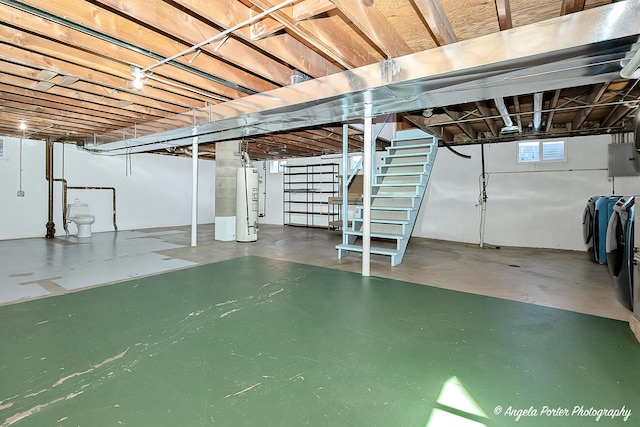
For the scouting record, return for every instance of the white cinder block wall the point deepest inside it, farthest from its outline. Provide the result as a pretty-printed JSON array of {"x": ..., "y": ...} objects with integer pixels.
[
  {"x": 528, "y": 205},
  {"x": 157, "y": 193}
]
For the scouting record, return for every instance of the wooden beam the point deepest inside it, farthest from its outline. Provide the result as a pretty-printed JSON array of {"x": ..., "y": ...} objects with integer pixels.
[
  {"x": 552, "y": 107},
  {"x": 492, "y": 124},
  {"x": 266, "y": 26},
  {"x": 105, "y": 22},
  {"x": 464, "y": 126},
  {"x": 617, "y": 114},
  {"x": 28, "y": 96},
  {"x": 437, "y": 23},
  {"x": 571, "y": 6},
  {"x": 516, "y": 107},
  {"x": 193, "y": 31},
  {"x": 43, "y": 106},
  {"x": 161, "y": 97},
  {"x": 326, "y": 36},
  {"x": 431, "y": 126},
  {"x": 375, "y": 26},
  {"x": 284, "y": 46},
  {"x": 622, "y": 109},
  {"x": 503, "y": 9},
  {"x": 27, "y": 78},
  {"x": 309, "y": 8},
  {"x": 592, "y": 98},
  {"x": 135, "y": 113},
  {"x": 16, "y": 83},
  {"x": 82, "y": 49}
]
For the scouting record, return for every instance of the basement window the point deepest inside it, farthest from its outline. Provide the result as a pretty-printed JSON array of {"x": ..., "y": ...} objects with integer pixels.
[{"x": 536, "y": 151}]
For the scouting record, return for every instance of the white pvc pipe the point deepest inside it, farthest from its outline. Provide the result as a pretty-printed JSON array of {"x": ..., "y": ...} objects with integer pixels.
[
  {"x": 194, "y": 190},
  {"x": 366, "y": 191}
]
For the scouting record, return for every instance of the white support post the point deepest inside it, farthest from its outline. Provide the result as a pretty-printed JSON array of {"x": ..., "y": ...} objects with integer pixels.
[
  {"x": 345, "y": 183},
  {"x": 194, "y": 189},
  {"x": 366, "y": 193}
]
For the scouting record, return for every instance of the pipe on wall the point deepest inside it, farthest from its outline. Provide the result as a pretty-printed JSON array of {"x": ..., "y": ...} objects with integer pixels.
[
  {"x": 51, "y": 230},
  {"x": 51, "y": 227},
  {"x": 66, "y": 188},
  {"x": 113, "y": 203}
]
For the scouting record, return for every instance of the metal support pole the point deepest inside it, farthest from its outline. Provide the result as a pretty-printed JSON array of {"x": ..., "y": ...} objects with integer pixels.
[
  {"x": 194, "y": 190},
  {"x": 345, "y": 181},
  {"x": 366, "y": 193}
]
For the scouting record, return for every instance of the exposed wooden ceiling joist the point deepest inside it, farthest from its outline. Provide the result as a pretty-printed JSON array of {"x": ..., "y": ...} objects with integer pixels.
[
  {"x": 375, "y": 26},
  {"x": 503, "y": 9},
  {"x": 437, "y": 23},
  {"x": 66, "y": 66}
]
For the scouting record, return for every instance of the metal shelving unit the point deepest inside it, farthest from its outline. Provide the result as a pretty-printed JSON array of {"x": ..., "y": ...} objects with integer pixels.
[{"x": 307, "y": 189}]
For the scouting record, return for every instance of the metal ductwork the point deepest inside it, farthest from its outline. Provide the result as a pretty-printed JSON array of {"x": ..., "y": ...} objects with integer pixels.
[
  {"x": 509, "y": 127},
  {"x": 631, "y": 63},
  {"x": 537, "y": 111},
  {"x": 545, "y": 56}
]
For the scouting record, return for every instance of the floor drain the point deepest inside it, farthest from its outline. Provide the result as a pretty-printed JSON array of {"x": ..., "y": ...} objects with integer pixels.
[{"x": 514, "y": 265}]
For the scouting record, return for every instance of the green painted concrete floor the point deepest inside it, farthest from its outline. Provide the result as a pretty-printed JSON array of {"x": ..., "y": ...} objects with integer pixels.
[{"x": 259, "y": 342}]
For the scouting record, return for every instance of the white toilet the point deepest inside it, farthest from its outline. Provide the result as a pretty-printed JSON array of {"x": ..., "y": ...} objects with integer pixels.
[{"x": 80, "y": 214}]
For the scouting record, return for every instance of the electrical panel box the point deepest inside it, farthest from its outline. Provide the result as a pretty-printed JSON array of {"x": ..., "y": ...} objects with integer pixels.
[{"x": 623, "y": 160}]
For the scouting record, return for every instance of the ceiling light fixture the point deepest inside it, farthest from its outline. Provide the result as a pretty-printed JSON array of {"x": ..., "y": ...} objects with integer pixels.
[
  {"x": 23, "y": 125},
  {"x": 138, "y": 75}
]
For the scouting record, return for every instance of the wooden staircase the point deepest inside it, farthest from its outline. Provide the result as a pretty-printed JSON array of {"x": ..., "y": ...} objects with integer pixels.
[{"x": 398, "y": 186}]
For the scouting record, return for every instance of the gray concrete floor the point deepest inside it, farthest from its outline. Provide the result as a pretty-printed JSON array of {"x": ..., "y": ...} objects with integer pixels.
[{"x": 34, "y": 268}]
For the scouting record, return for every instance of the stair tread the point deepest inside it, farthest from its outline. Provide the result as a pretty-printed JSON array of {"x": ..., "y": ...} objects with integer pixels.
[
  {"x": 394, "y": 195},
  {"x": 373, "y": 250},
  {"x": 400, "y": 147},
  {"x": 401, "y": 174},
  {"x": 400, "y": 155},
  {"x": 376, "y": 234},
  {"x": 388, "y": 208},
  {"x": 395, "y": 184},
  {"x": 386, "y": 165},
  {"x": 383, "y": 221}
]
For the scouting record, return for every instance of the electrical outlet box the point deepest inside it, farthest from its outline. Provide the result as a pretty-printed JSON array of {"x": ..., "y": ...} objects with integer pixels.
[{"x": 20, "y": 193}]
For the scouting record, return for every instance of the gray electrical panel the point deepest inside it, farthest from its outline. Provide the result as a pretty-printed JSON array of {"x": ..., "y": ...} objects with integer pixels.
[{"x": 623, "y": 160}]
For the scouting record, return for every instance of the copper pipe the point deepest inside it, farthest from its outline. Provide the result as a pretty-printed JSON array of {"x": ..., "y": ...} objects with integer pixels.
[{"x": 113, "y": 190}]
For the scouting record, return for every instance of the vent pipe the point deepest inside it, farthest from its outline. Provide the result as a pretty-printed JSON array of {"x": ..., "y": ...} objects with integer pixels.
[
  {"x": 631, "y": 63},
  {"x": 537, "y": 111},
  {"x": 509, "y": 127}
]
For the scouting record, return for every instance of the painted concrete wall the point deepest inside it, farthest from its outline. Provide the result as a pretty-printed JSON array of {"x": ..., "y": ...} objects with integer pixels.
[
  {"x": 534, "y": 205},
  {"x": 156, "y": 193},
  {"x": 528, "y": 205}
]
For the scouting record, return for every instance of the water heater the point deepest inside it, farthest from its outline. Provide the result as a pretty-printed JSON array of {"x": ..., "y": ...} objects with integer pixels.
[{"x": 247, "y": 204}]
